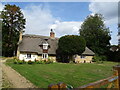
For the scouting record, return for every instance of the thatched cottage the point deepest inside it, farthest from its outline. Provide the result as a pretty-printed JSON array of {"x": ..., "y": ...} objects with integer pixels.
[{"x": 37, "y": 47}]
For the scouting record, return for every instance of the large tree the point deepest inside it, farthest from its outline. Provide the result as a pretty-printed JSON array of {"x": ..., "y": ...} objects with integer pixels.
[
  {"x": 70, "y": 45},
  {"x": 96, "y": 34},
  {"x": 13, "y": 22},
  {"x": 0, "y": 35}
]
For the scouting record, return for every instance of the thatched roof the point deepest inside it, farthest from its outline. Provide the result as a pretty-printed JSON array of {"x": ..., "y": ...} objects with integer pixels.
[
  {"x": 88, "y": 52},
  {"x": 31, "y": 43}
]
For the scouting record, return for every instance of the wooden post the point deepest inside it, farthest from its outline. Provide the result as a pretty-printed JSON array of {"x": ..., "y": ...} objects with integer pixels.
[
  {"x": 117, "y": 73},
  {"x": 53, "y": 87},
  {"x": 62, "y": 86},
  {"x": 59, "y": 86}
]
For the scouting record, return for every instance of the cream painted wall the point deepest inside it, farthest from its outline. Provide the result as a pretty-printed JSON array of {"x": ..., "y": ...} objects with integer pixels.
[
  {"x": 87, "y": 59},
  {"x": 78, "y": 59},
  {"x": 23, "y": 56},
  {"x": 52, "y": 58}
]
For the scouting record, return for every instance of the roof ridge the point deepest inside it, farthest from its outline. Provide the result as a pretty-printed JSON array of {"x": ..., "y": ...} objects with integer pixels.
[{"x": 34, "y": 35}]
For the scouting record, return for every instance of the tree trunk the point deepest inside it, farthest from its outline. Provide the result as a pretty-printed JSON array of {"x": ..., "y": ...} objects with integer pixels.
[{"x": 71, "y": 58}]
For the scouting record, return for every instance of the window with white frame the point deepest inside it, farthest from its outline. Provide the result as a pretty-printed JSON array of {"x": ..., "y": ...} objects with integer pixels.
[
  {"x": 82, "y": 56},
  {"x": 45, "y": 46},
  {"x": 44, "y": 55},
  {"x": 28, "y": 55}
]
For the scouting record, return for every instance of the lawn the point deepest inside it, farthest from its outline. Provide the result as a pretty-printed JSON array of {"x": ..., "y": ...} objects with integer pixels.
[{"x": 76, "y": 75}]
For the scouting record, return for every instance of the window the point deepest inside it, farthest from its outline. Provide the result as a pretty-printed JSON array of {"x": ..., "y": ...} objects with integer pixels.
[
  {"x": 28, "y": 55},
  {"x": 45, "y": 45},
  {"x": 83, "y": 56},
  {"x": 44, "y": 55}
]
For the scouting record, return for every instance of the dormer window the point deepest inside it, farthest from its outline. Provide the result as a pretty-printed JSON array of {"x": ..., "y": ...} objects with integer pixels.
[{"x": 45, "y": 46}]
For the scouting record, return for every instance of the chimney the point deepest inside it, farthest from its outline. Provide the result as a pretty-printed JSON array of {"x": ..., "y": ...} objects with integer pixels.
[{"x": 52, "y": 34}]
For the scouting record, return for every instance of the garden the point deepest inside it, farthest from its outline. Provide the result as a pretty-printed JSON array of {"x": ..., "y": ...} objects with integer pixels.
[
  {"x": 17, "y": 61},
  {"x": 42, "y": 74}
]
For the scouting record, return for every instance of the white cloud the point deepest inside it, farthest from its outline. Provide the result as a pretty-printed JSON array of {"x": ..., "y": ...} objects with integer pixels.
[
  {"x": 65, "y": 28},
  {"x": 39, "y": 20},
  {"x": 1, "y": 6},
  {"x": 109, "y": 10}
]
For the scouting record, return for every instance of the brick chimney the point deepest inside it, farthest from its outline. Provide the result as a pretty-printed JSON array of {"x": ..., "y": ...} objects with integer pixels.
[{"x": 52, "y": 34}]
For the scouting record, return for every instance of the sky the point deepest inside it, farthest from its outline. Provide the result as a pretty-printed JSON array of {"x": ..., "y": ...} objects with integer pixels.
[{"x": 65, "y": 17}]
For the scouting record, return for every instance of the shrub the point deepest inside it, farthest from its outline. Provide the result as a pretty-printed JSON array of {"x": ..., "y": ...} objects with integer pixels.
[
  {"x": 97, "y": 59},
  {"x": 72, "y": 62},
  {"x": 104, "y": 58},
  {"x": 36, "y": 61},
  {"x": 15, "y": 61},
  {"x": 30, "y": 62},
  {"x": 70, "y": 45},
  {"x": 41, "y": 62},
  {"x": 48, "y": 61},
  {"x": 20, "y": 62},
  {"x": 24, "y": 61}
]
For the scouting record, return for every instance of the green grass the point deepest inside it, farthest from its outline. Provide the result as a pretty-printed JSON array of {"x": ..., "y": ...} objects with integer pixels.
[{"x": 76, "y": 75}]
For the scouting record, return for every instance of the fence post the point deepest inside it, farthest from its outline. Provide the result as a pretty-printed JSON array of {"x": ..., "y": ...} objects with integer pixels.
[
  {"x": 117, "y": 73},
  {"x": 53, "y": 87},
  {"x": 59, "y": 86}
]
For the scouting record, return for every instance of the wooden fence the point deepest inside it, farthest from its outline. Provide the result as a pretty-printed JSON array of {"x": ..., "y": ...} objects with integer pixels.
[{"x": 110, "y": 82}]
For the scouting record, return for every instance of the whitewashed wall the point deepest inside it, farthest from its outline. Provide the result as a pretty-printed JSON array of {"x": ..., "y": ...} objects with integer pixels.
[
  {"x": 87, "y": 59},
  {"x": 23, "y": 56}
]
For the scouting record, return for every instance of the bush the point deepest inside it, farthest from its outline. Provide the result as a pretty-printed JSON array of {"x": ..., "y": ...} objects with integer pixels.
[
  {"x": 72, "y": 62},
  {"x": 20, "y": 62},
  {"x": 97, "y": 59},
  {"x": 70, "y": 45},
  {"x": 24, "y": 61},
  {"x": 41, "y": 62},
  {"x": 104, "y": 58},
  {"x": 15, "y": 61},
  {"x": 48, "y": 61},
  {"x": 30, "y": 62},
  {"x": 36, "y": 61}
]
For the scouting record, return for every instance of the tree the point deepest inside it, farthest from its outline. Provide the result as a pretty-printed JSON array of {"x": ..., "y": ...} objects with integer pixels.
[
  {"x": 12, "y": 23},
  {"x": 96, "y": 34},
  {"x": 114, "y": 53},
  {"x": 70, "y": 45},
  {"x": 0, "y": 35}
]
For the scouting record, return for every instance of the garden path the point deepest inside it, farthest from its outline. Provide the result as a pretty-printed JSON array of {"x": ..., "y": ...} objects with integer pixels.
[{"x": 15, "y": 78}]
